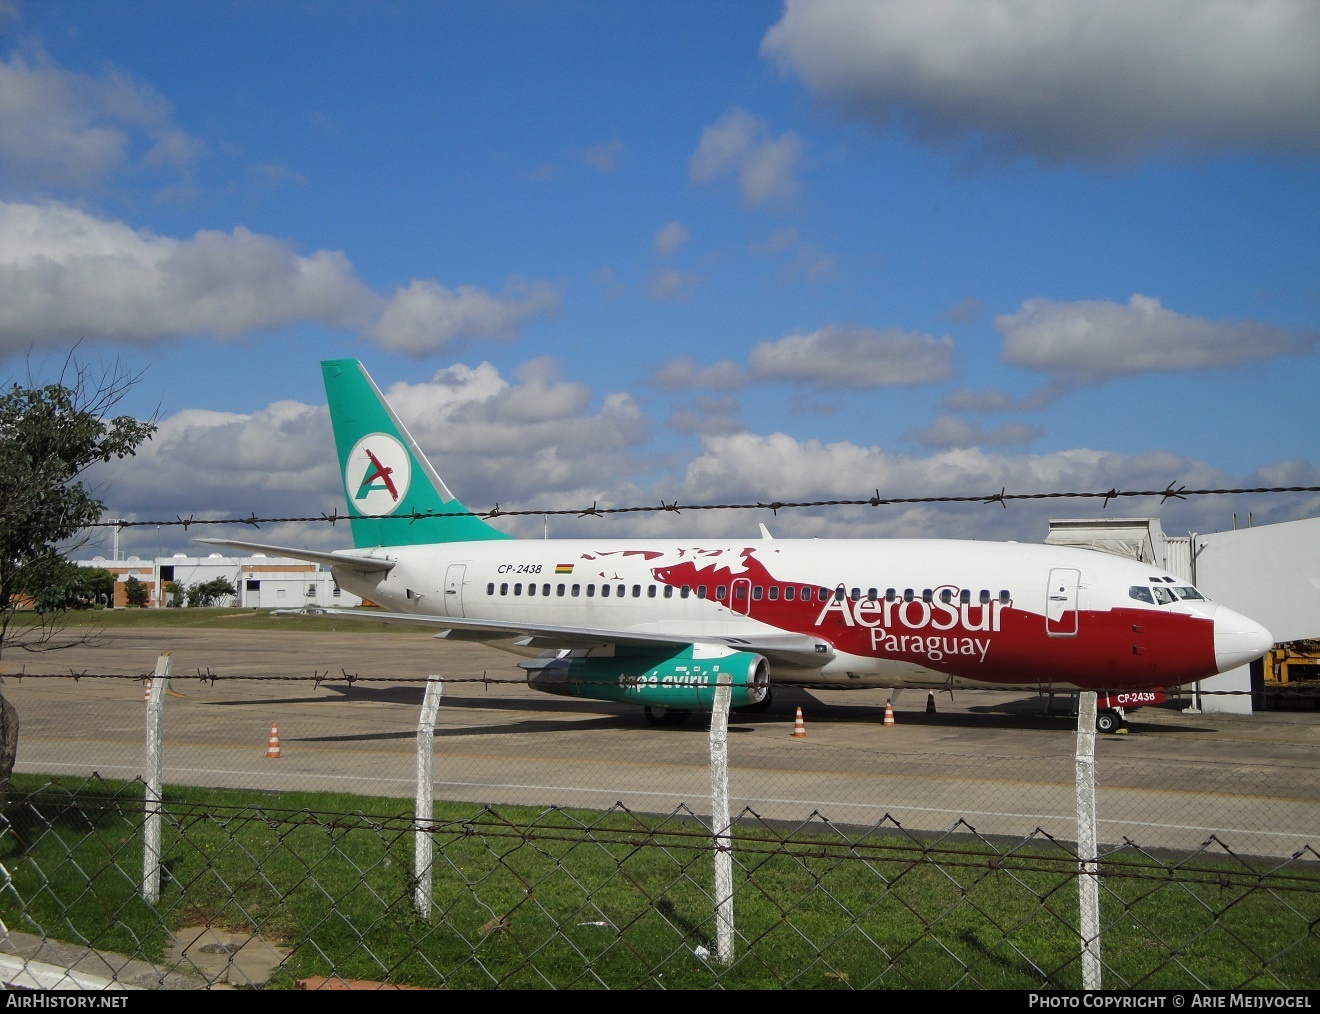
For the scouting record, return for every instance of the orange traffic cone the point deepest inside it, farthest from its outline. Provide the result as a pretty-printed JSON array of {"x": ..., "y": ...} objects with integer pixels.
[
  {"x": 274, "y": 749},
  {"x": 889, "y": 713},
  {"x": 146, "y": 694},
  {"x": 799, "y": 729},
  {"x": 930, "y": 702}
]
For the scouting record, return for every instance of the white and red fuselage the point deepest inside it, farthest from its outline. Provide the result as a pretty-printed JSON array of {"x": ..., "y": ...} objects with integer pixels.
[{"x": 879, "y": 613}]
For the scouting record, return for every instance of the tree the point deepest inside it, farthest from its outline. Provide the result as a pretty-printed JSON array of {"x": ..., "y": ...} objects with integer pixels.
[
  {"x": 135, "y": 592},
  {"x": 50, "y": 434},
  {"x": 208, "y": 592}
]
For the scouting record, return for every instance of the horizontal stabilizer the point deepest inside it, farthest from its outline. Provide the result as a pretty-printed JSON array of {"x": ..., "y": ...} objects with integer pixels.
[{"x": 365, "y": 564}]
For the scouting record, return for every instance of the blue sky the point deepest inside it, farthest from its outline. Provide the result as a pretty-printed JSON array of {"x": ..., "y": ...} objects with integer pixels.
[{"x": 625, "y": 253}]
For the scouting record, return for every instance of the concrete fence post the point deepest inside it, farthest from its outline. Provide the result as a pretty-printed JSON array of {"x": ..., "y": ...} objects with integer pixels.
[
  {"x": 153, "y": 777},
  {"x": 719, "y": 819},
  {"x": 1088, "y": 867},
  {"x": 423, "y": 807}
]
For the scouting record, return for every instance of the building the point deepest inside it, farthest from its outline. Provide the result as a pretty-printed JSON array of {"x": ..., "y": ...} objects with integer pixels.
[{"x": 261, "y": 582}]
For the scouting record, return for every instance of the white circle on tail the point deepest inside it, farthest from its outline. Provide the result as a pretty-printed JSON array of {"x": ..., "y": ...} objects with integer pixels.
[{"x": 377, "y": 474}]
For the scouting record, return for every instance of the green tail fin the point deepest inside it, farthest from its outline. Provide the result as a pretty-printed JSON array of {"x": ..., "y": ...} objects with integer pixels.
[{"x": 395, "y": 497}]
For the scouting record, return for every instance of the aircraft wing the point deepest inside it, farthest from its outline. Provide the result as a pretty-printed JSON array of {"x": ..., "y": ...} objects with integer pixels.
[
  {"x": 366, "y": 564},
  {"x": 796, "y": 651}
]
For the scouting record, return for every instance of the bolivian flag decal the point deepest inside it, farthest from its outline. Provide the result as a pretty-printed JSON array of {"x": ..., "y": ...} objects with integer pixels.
[{"x": 563, "y": 568}]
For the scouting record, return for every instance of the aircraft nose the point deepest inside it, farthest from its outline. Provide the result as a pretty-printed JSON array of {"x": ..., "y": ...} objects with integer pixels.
[{"x": 1238, "y": 639}]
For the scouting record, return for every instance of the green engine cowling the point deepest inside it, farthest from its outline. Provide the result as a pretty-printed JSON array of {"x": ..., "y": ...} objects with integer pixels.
[{"x": 675, "y": 683}]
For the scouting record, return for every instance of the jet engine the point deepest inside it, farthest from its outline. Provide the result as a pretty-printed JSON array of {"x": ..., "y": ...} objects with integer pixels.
[{"x": 676, "y": 684}]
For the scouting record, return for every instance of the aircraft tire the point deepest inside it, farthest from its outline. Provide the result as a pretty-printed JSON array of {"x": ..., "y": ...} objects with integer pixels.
[
  {"x": 666, "y": 716},
  {"x": 1107, "y": 721}
]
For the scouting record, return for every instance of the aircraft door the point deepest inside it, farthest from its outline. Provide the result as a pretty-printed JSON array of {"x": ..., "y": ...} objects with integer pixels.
[
  {"x": 1061, "y": 602},
  {"x": 741, "y": 602},
  {"x": 454, "y": 589}
]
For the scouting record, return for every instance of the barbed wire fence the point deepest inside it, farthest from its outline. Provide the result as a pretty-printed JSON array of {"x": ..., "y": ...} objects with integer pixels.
[
  {"x": 124, "y": 864},
  {"x": 1173, "y": 491},
  {"x": 661, "y": 889}
]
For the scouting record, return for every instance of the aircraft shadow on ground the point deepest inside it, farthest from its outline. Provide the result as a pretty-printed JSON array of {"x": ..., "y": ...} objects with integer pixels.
[{"x": 1028, "y": 713}]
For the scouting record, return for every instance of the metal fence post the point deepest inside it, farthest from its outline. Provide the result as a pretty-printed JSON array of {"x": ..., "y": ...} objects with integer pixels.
[
  {"x": 719, "y": 818},
  {"x": 1088, "y": 868},
  {"x": 423, "y": 806},
  {"x": 153, "y": 776}
]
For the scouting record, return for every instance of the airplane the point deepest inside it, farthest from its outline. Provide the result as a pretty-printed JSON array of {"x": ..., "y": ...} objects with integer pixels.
[{"x": 659, "y": 622}]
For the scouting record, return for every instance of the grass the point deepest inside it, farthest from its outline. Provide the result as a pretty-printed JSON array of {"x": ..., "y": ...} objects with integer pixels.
[
  {"x": 519, "y": 896},
  {"x": 219, "y": 618}
]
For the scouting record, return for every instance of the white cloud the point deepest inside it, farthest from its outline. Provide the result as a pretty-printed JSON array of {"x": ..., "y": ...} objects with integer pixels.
[
  {"x": 739, "y": 143},
  {"x": 59, "y": 129},
  {"x": 1096, "y": 340},
  {"x": 604, "y": 156},
  {"x": 682, "y": 374},
  {"x": 65, "y": 274},
  {"x": 671, "y": 284},
  {"x": 1066, "y": 81},
  {"x": 947, "y": 431},
  {"x": 853, "y": 358},
  {"x": 668, "y": 238},
  {"x": 426, "y": 316}
]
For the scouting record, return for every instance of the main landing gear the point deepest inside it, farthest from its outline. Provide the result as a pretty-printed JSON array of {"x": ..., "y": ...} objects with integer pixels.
[{"x": 1110, "y": 720}]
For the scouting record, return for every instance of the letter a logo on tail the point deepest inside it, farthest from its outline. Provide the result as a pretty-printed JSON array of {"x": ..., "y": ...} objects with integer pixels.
[{"x": 378, "y": 472}]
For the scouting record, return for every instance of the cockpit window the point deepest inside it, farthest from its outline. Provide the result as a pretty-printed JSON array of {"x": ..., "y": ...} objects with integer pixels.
[
  {"x": 1186, "y": 591},
  {"x": 1163, "y": 595},
  {"x": 1141, "y": 593}
]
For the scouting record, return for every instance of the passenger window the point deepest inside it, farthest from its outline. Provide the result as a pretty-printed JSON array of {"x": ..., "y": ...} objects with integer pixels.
[
  {"x": 701, "y": 591},
  {"x": 504, "y": 589},
  {"x": 669, "y": 591},
  {"x": 604, "y": 591},
  {"x": 872, "y": 594},
  {"x": 545, "y": 589},
  {"x": 685, "y": 591},
  {"x": 840, "y": 593},
  {"x": 591, "y": 591},
  {"x": 908, "y": 594},
  {"x": 824, "y": 594},
  {"x": 756, "y": 593},
  {"x": 721, "y": 593},
  {"x": 790, "y": 593},
  {"x": 620, "y": 590},
  {"x": 927, "y": 595},
  {"x": 1004, "y": 597},
  {"x": 637, "y": 591},
  {"x": 855, "y": 594},
  {"x": 576, "y": 588},
  {"x": 559, "y": 590},
  {"x": 1141, "y": 593},
  {"x": 531, "y": 589},
  {"x": 490, "y": 588},
  {"x": 517, "y": 589},
  {"x": 650, "y": 591},
  {"x": 740, "y": 591},
  {"x": 891, "y": 594},
  {"x": 946, "y": 595},
  {"x": 965, "y": 596},
  {"x": 985, "y": 596},
  {"x": 773, "y": 593}
]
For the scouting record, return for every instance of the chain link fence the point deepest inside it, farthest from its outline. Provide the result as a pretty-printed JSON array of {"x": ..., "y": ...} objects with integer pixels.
[{"x": 277, "y": 831}]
